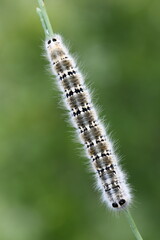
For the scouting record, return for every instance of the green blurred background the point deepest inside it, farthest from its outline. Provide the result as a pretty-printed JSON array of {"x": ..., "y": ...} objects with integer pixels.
[{"x": 46, "y": 191}]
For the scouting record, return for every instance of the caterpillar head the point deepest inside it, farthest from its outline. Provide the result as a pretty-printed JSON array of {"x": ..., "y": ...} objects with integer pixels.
[
  {"x": 55, "y": 40},
  {"x": 55, "y": 48}
]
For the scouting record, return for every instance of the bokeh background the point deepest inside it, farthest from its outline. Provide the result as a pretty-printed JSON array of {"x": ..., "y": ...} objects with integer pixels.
[{"x": 46, "y": 191}]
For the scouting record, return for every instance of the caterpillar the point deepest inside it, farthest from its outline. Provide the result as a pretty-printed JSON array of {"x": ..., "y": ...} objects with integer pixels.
[
  {"x": 92, "y": 134},
  {"x": 99, "y": 149}
]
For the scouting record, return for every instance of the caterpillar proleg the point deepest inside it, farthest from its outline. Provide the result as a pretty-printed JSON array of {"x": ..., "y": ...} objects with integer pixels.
[{"x": 110, "y": 177}]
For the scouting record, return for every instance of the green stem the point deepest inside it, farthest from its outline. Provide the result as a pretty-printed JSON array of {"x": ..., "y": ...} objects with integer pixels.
[
  {"x": 44, "y": 19},
  {"x": 133, "y": 225}
]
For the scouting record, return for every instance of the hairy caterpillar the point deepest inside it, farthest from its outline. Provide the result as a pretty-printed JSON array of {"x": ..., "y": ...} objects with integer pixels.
[{"x": 110, "y": 177}]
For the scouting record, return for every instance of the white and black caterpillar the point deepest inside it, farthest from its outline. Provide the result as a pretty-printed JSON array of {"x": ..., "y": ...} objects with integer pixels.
[{"x": 111, "y": 179}]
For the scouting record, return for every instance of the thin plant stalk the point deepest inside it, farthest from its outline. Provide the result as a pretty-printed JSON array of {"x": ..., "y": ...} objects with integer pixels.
[
  {"x": 48, "y": 33},
  {"x": 132, "y": 225},
  {"x": 44, "y": 19}
]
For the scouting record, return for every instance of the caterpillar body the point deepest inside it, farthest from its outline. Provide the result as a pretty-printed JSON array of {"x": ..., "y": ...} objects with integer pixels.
[{"x": 111, "y": 179}]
